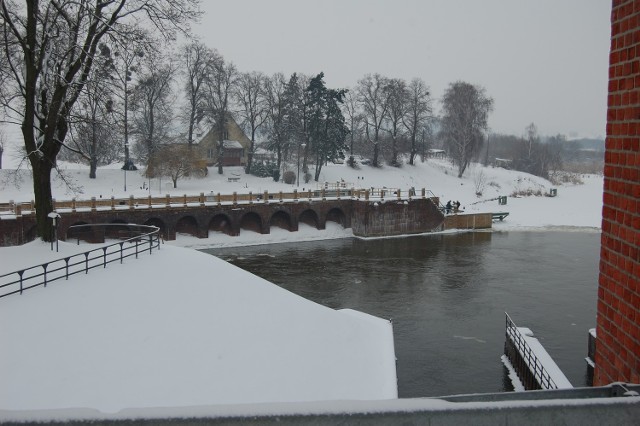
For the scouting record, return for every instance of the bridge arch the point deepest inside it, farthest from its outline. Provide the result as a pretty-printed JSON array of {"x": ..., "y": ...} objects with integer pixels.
[
  {"x": 159, "y": 223},
  {"x": 338, "y": 216},
  {"x": 281, "y": 219},
  {"x": 187, "y": 225},
  {"x": 309, "y": 217},
  {"x": 251, "y": 221},
  {"x": 221, "y": 223}
]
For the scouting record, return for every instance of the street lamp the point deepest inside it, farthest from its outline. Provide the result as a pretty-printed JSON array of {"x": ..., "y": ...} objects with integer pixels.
[
  {"x": 303, "y": 145},
  {"x": 54, "y": 218}
]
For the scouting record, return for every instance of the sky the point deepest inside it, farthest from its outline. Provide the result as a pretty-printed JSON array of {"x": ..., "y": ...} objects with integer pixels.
[{"x": 542, "y": 61}]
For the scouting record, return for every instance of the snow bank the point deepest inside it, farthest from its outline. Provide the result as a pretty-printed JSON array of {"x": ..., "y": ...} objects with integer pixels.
[{"x": 182, "y": 328}]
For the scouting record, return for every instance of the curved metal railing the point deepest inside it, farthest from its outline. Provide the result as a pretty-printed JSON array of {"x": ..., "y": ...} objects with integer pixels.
[{"x": 133, "y": 240}]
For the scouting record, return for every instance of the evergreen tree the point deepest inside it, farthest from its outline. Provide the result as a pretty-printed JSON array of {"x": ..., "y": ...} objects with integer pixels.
[{"x": 327, "y": 128}]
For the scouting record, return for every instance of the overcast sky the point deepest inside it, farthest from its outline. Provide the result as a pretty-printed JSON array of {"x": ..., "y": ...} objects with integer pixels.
[{"x": 542, "y": 61}]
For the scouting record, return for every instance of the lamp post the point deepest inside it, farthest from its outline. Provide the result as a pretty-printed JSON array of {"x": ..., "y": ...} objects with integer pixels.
[
  {"x": 303, "y": 145},
  {"x": 54, "y": 218}
]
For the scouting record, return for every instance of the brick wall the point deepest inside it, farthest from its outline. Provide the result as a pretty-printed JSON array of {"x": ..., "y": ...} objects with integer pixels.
[{"x": 618, "y": 331}]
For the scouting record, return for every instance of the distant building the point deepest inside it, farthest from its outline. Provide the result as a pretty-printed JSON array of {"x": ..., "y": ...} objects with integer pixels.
[{"x": 236, "y": 145}]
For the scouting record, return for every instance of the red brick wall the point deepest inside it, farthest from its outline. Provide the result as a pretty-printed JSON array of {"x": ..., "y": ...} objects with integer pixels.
[{"x": 618, "y": 345}]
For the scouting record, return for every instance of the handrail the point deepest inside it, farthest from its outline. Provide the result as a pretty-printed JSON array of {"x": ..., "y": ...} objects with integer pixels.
[
  {"x": 112, "y": 203},
  {"x": 137, "y": 239},
  {"x": 536, "y": 367}
]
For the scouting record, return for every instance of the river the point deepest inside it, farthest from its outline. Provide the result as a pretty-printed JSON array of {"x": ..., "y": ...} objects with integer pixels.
[{"x": 446, "y": 295}]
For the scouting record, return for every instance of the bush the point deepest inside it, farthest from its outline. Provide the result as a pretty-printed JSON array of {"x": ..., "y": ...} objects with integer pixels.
[{"x": 289, "y": 177}]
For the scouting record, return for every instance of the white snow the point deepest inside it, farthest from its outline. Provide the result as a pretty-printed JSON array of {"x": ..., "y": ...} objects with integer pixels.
[{"x": 180, "y": 328}]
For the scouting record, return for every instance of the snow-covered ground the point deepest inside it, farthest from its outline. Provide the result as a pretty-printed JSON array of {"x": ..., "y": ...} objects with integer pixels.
[{"x": 179, "y": 328}]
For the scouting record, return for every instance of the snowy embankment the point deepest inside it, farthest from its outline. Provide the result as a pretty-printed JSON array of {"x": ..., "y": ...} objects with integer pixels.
[
  {"x": 576, "y": 206},
  {"x": 181, "y": 328}
]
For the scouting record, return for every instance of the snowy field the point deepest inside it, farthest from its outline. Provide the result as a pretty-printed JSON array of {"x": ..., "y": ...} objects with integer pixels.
[{"x": 182, "y": 329}]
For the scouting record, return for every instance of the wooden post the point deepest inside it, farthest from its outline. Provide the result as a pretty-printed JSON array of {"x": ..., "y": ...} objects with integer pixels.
[
  {"x": 93, "y": 204},
  {"x": 280, "y": 196},
  {"x": 266, "y": 197},
  {"x": 73, "y": 204},
  {"x": 295, "y": 195},
  {"x": 201, "y": 199},
  {"x": 149, "y": 202},
  {"x": 219, "y": 199},
  {"x": 250, "y": 197},
  {"x": 113, "y": 204},
  {"x": 322, "y": 194},
  {"x": 424, "y": 193},
  {"x": 399, "y": 197},
  {"x": 338, "y": 192},
  {"x": 185, "y": 200},
  {"x": 168, "y": 198},
  {"x": 366, "y": 195},
  {"x": 18, "y": 209},
  {"x": 235, "y": 198}
]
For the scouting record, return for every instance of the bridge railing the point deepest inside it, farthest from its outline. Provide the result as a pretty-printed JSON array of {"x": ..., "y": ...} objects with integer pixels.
[
  {"x": 534, "y": 365},
  {"x": 333, "y": 192},
  {"x": 134, "y": 240}
]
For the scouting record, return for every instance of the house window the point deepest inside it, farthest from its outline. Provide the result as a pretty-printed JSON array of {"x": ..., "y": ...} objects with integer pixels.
[{"x": 210, "y": 153}]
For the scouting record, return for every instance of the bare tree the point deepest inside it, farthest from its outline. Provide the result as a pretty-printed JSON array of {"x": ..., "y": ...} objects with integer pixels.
[
  {"x": 397, "y": 112},
  {"x": 3, "y": 141},
  {"x": 153, "y": 113},
  {"x": 354, "y": 121},
  {"x": 373, "y": 95},
  {"x": 91, "y": 118},
  {"x": 219, "y": 90},
  {"x": 249, "y": 94},
  {"x": 199, "y": 62},
  {"x": 465, "y": 112},
  {"x": 276, "y": 113},
  {"x": 418, "y": 112},
  {"x": 175, "y": 161},
  {"x": 49, "y": 48}
]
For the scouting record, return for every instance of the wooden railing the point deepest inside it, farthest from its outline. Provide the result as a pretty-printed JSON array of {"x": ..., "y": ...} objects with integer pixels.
[
  {"x": 211, "y": 198},
  {"x": 135, "y": 240}
]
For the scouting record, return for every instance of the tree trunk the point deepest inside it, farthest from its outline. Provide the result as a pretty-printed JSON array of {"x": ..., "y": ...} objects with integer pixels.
[
  {"x": 375, "y": 154},
  {"x": 41, "y": 168},
  {"x": 93, "y": 166},
  {"x": 220, "y": 155}
]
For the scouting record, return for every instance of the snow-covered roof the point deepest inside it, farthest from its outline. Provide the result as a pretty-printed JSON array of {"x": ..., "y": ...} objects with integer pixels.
[
  {"x": 232, "y": 144},
  {"x": 141, "y": 335}
]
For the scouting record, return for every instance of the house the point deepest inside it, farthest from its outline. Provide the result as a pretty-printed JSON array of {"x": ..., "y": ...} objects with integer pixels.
[{"x": 236, "y": 145}]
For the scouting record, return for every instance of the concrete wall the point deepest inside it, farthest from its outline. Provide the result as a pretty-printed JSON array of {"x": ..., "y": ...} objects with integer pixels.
[
  {"x": 617, "y": 355},
  {"x": 395, "y": 217}
]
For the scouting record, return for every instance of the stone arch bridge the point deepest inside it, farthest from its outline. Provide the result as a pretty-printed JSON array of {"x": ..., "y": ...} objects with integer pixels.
[{"x": 197, "y": 216}]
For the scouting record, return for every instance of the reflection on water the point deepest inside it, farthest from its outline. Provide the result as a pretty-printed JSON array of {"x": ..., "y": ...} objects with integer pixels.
[{"x": 446, "y": 296}]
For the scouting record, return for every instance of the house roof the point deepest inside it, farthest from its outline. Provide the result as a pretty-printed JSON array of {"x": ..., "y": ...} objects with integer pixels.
[{"x": 232, "y": 144}]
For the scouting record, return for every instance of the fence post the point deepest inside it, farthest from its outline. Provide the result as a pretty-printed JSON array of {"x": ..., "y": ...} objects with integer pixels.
[
  {"x": 399, "y": 196},
  {"x": 104, "y": 257},
  {"x": 322, "y": 194},
  {"x": 66, "y": 268},
  {"x": 366, "y": 195},
  {"x": 219, "y": 199},
  {"x": 185, "y": 200},
  {"x": 44, "y": 266},
  {"x": 266, "y": 197},
  {"x": 338, "y": 192},
  {"x": 168, "y": 200},
  {"x": 424, "y": 193},
  {"x": 295, "y": 195},
  {"x": 250, "y": 197},
  {"x": 73, "y": 204},
  {"x": 93, "y": 204},
  {"x": 149, "y": 202},
  {"x": 20, "y": 273},
  {"x": 131, "y": 202},
  {"x": 86, "y": 262},
  {"x": 121, "y": 244},
  {"x": 280, "y": 196},
  {"x": 235, "y": 198},
  {"x": 201, "y": 199}
]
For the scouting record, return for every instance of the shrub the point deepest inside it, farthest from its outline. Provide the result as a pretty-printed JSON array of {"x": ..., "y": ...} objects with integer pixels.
[{"x": 289, "y": 177}]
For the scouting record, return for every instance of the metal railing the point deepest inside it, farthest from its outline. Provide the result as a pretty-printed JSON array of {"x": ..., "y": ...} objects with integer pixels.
[
  {"x": 535, "y": 367},
  {"x": 135, "y": 240}
]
